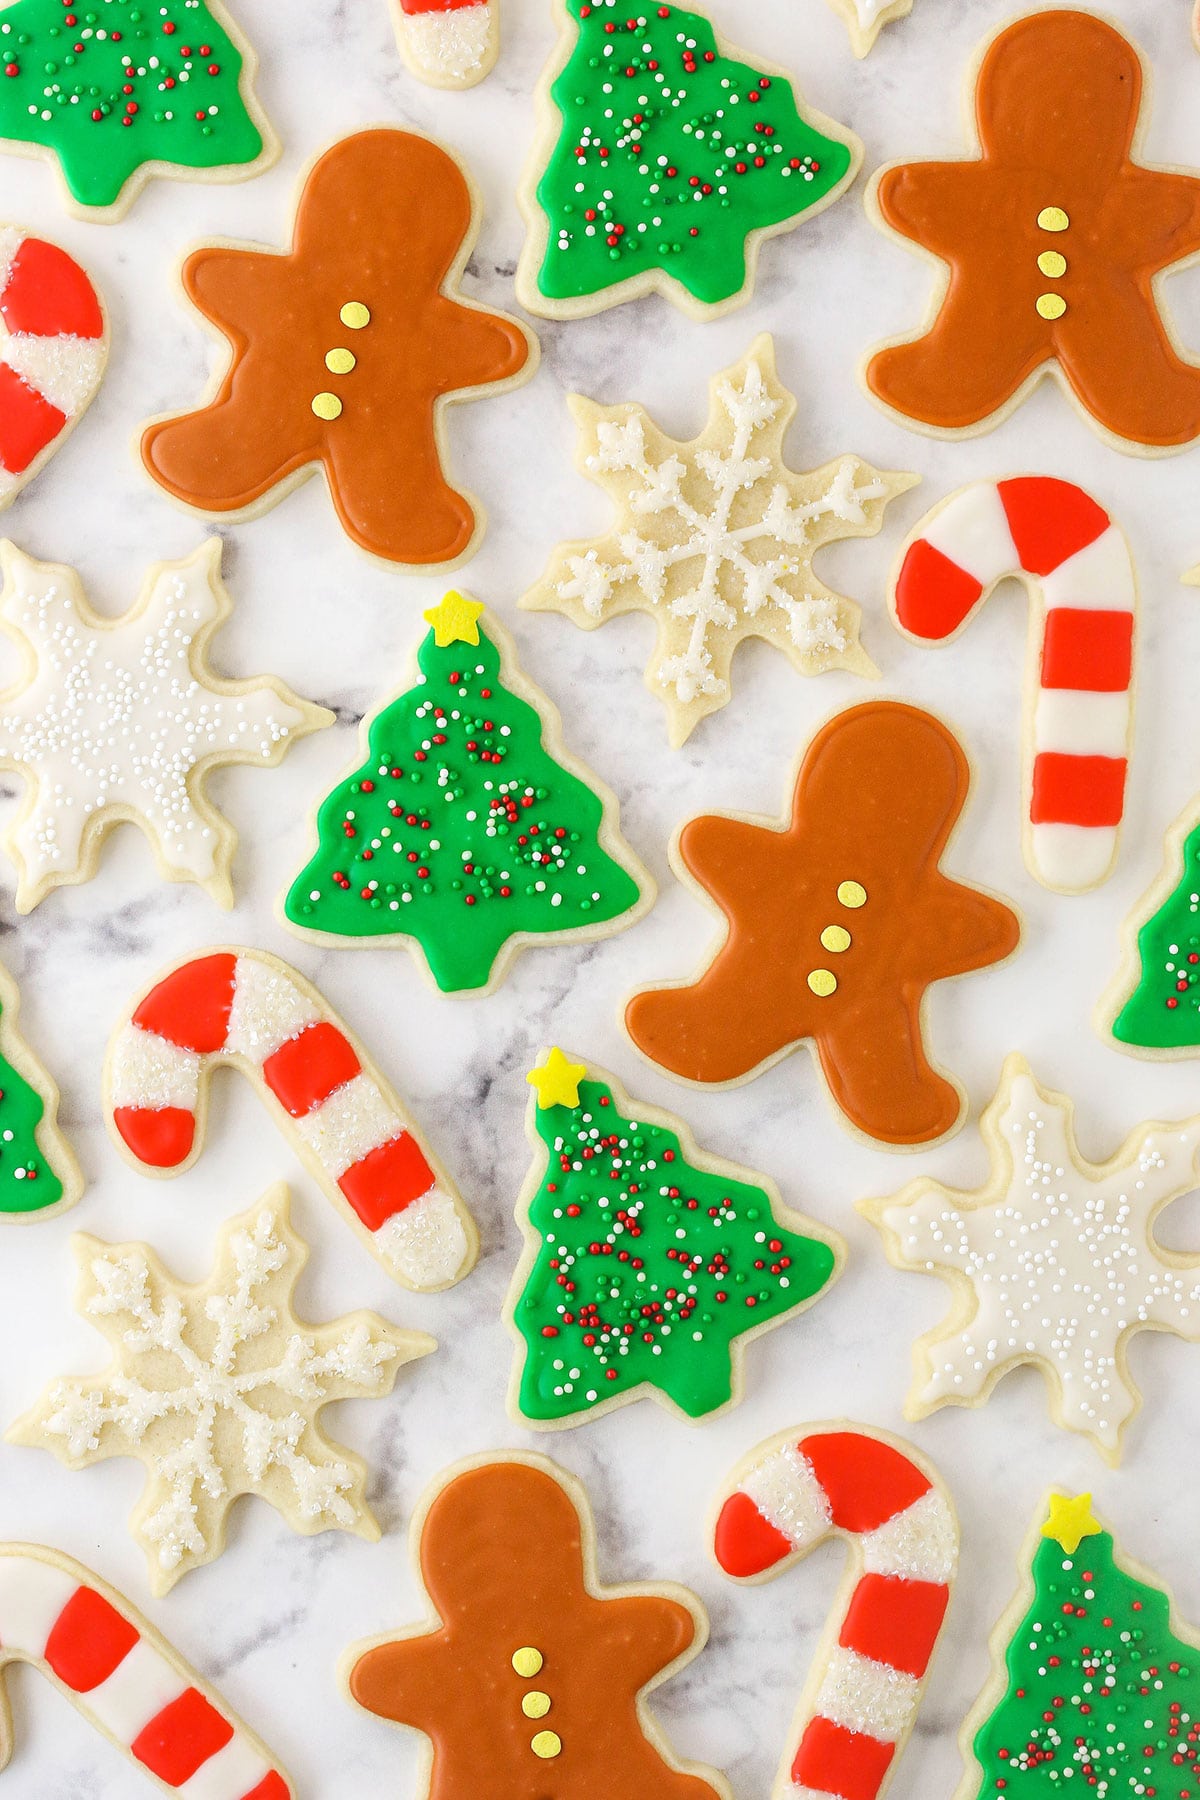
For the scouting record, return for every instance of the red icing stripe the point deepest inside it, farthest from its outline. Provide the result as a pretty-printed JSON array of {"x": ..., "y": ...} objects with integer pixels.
[
  {"x": 836, "y": 1761},
  {"x": 28, "y": 422},
  {"x": 1050, "y": 520},
  {"x": 181, "y": 1738},
  {"x": 1077, "y": 790},
  {"x": 387, "y": 1180},
  {"x": 307, "y": 1069},
  {"x": 933, "y": 595},
  {"x": 191, "y": 1007},
  {"x": 271, "y": 1787},
  {"x": 745, "y": 1543},
  {"x": 161, "y": 1137},
  {"x": 895, "y": 1621},
  {"x": 48, "y": 295},
  {"x": 1088, "y": 650},
  {"x": 436, "y": 6},
  {"x": 88, "y": 1640},
  {"x": 866, "y": 1482}
]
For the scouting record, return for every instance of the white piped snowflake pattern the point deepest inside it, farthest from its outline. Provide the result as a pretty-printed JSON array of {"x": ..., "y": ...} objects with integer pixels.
[
  {"x": 715, "y": 539},
  {"x": 1053, "y": 1263},
  {"x": 122, "y": 719},
  {"x": 216, "y": 1390}
]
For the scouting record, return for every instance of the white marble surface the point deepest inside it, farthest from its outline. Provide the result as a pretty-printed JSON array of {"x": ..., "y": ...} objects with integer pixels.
[{"x": 269, "y": 1620}]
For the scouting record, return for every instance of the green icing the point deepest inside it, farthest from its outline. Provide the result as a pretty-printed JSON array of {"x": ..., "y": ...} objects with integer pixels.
[
  {"x": 648, "y": 1268},
  {"x": 111, "y": 84},
  {"x": 460, "y": 830},
  {"x": 1102, "y": 1698},
  {"x": 1163, "y": 1012},
  {"x": 670, "y": 155},
  {"x": 27, "y": 1182}
]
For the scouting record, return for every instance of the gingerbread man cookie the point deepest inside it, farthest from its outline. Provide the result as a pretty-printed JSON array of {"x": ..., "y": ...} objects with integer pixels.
[
  {"x": 347, "y": 349},
  {"x": 1053, "y": 238},
  {"x": 839, "y": 919}
]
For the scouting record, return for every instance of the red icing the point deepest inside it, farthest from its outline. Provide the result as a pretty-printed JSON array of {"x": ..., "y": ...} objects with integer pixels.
[
  {"x": 88, "y": 1640},
  {"x": 435, "y": 6},
  {"x": 181, "y": 1738},
  {"x": 933, "y": 595},
  {"x": 271, "y": 1787},
  {"x": 745, "y": 1543},
  {"x": 191, "y": 1007},
  {"x": 27, "y": 422},
  {"x": 382, "y": 1183},
  {"x": 48, "y": 294},
  {"x": 1050, "y": 520},
  {"x": 161, "y": 1138},
  {"x": 1088, "y": 650},
  {"x": 309, "y": 1068},
  {"x": 866, "y": 1482},
  {"x": 895, "y": 1621},
  {"x": 836, "y": 1761},
  {"x": 1077, "y": 790}
]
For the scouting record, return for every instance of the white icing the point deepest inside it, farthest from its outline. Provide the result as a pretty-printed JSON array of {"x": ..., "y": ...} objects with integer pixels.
[
  {"x": 66, "y": 370},
  {"x": 32, "y": 1594},
  {"x": 972, "y": 530},
  {"x": 136, "y": 1692},
  {"x": 355, "y": 1120},
  {"x": 269, "y": 1009},
  {"x": 426, "y": 1243},
  {"x": 11, "y": 239},
  {"x": 869, "y": 10},
  {"x": 1061, "y": 1266},
  {"x": 867, "y": 1696},
  {"x": 789, "y": 1496},
  {"x": 235, "y": 1771},
  {"x": 449, "y": 46},
  {"x": 919, "y": 1544},
  {"x": 1099, "y": 577},
  {"x": 1081, "y": 724},
  {"x": 1073, "y": 857},
  {"x": 148, "y": 1072}
]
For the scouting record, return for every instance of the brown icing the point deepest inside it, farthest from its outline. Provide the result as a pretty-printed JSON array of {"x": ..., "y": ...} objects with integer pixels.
[
  {"x": 381, "y": 229},
  {"x": 1054, "y": 215},
  {"x": 838, "y": 923},
  {"x": 506, "y": 1560}
]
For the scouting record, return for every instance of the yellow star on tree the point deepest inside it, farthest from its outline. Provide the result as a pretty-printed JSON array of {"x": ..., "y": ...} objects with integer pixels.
[
  {"x": 557, "y": 1081},
  {"x": 454, "y": 620},
  {"x": 1070, "y": 1521}
]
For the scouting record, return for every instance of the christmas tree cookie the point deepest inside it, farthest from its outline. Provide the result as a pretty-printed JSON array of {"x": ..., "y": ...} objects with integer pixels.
[
  {"x": 1095, "y": 1686},
  {"x": 124, "y": 89},
  {"x": 1152, "y": 1008},
  {"x": 648, "y": 1264},
  {"x": 663, "y": 161},
  {"x": 38, "y": 1171},
  {"x": 468, "y": 830}
]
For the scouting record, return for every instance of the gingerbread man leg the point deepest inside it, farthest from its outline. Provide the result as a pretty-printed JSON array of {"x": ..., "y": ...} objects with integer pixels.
[
  {"x": 1148, "y": 394},
  {"x": 879, "y": 1075},
  {"x": 967, "y": 366}
]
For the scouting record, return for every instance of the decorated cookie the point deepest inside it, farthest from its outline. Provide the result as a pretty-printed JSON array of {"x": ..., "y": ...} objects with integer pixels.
[
  {"x": 53, "y": 348},
  {"x": 1050, "y": 240},
  {"x": 125, "y": 1680},
  {"x": 251, "y": 1011},
  {"x": 715, "y": 540},
  {"x": 1152, "y": 1008},
  {"x": 865, "y": 19},
  {"x": 346, "y": 351},
  {"x": 1078, "y": 568},
  {"x": 38, "y": 1172},
  {"x": 839, "y": 919},
  {"x": 1092, "y": 1677},
  {"x": 127, "y": 90},
  {"x": 868, "y": 1675},
  {"x": 218, "y": 1390},
  {"x": 1054, "y": 1263},
  {"x": 509, "y": 841},
  {"x": 557, "y": 1667},
  {"x": 648, "y": 1264},
  {"x": 664, "y": 159},
  {"x": 448, "y": 43},
  {"x": 124, "y": 719}
]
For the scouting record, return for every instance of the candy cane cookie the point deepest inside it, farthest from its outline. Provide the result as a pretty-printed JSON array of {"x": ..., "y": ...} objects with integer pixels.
[
  {"x": 868, "y": 1676},
  {"x": 448, "y": 43},
  {"x": 252, "y": 1011},
  {"x": 1077, "y": 565},
  {"x": 126, "y": 1680}
]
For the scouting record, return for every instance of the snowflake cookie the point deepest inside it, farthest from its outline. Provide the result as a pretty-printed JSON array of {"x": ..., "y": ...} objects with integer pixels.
[
  {"x": 124, "y": 718},
  {"x": 715, "y": 540},
  {"x": 1053, "y": 1263},
  {"x": 218, "y": 1389},
  {"x": 865, "y": 19}
]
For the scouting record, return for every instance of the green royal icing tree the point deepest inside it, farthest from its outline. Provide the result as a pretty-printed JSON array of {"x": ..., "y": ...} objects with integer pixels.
[
  {"x": 670, "y": 154},
  {"x": 1102, "y": 1698},
  {"x": 460, "y": 830},
  {"x": 648, "y": 1267},
  {"x": 1163, "y": 1012},
  {"x": 28, "y": 1183},
  {"x": 108, "y": 85}
]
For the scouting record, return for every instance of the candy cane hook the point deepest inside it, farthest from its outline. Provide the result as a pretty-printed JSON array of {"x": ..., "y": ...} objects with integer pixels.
[
  {"x": 126, "y": 1680},
  {"x": 253, "y": 1011},
  {"x": 448, "y": 43},
  {"x": 861, "y": 1701},
  {"x": 1077, "y": 565}
]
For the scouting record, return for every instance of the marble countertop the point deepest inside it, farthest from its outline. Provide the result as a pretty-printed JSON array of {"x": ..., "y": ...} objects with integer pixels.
[{"x": 269, "y": 1620}]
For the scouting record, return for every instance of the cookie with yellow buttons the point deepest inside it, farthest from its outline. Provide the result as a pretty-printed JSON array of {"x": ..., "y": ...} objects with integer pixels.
[
  {"x": 347, "y": 350},
  {"x": 531, "y": 1677},
  {"x": 1051, "y": 241},
  {"x": 839, "y": 918}
]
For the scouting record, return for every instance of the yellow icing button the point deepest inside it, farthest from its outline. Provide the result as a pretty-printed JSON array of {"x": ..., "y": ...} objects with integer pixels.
[
  {"x": 1053, "y": 218},
  {"x": 546, "y": 1744},
  {"x": 1051, "y": 306},
  {"x": 528, "y": 1661},
  {"x": 535, "y": 1704},
  {"x": 852, "y": 893},
  {"x": 327, "y": 406},
  {"x": 340, "y": 362},
  {"x": 355, "y": 315},
  {"x": 823, "y": 982},
  {"x": 835, "y": 938},
  {"x": 1051, "y": 263}
]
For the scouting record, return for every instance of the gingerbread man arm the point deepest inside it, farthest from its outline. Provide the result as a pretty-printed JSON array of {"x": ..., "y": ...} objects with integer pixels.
[
  {"x": 717, "y": 851},
  {"x": 478, "y": 347},
  {"x": 928, "y": 201},
  {"x": 972, "y": 930},
  {"x": 390, "y": 1680},
  {"x": 648, "y": 1633}
]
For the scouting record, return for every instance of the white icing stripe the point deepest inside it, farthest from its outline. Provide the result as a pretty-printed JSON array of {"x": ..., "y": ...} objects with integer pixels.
[
  {"x": 136, "y": 1692},
  {"x": 1074, "y": 857},
  {"x": 349, "y": 1125},
  {"x": 973, "y": 531},
  {"x": 1099, "y": 577},
  {"x": 919, "y": 1544},
  {"x": 32, "y": 1595},
  {"x": 426, "y": 1242},
  {"x": 146, "y": 1071},
  {"x": 866, "y": 1696},
  {"x": 268, "y": 1010},
  {"x": 64, "y": 370},
  {"x": 1080, "y": 723},
  {"x": 450, "y": 46},
  {"x": 235, "y": 1771},
  {"x": 788, "y": 1495}
]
